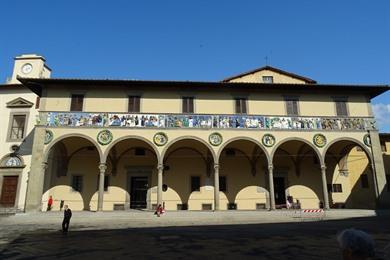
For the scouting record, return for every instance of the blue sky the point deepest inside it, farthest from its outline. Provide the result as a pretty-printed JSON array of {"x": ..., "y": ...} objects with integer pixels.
[{"x": 329, "y": 41}]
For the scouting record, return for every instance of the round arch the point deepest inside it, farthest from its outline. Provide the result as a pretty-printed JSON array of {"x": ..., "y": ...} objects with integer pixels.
[
  {"x": 278, "y": 145},
  {"x": 110, "y": 146},
  {"x": 188, "y": 137},
  {"x": 357, "y": 142},
  {"x": 10, "y": 155},
  {"x": 246, "y": 139},
  {"x": 55, "y": 141}
]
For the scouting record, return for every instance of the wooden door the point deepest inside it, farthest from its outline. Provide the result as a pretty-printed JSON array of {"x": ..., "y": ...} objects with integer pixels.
[
  {"x": 8, "y": 191},
  {"x": 139, "y": 189}
]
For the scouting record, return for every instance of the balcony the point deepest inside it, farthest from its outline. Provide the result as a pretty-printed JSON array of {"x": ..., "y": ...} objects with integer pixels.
[{"x": 202, "y": 121}]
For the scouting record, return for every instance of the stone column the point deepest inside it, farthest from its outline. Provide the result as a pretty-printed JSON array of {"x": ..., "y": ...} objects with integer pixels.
[
  {"x": 36, "y": 175},
  {"x": 383, "y": 197},
  {"x": 160, "y": 169},
  {"x": 271, "y": 187},
  {"x": 216, "y": 186},
  {"x": 102, "y": 169},
  {"x": 324, "y": 187}
]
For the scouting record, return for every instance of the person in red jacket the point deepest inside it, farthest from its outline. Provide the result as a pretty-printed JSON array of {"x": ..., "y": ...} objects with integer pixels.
[
  {"x": 160, "y": 210},
  {"x": 49, "y": 203}
]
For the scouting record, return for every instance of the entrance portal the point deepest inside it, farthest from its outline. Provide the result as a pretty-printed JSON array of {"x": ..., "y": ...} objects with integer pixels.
[
  {"x": 8, "y": 191},
  {"x": 280, "y": 191},
  {"x": 139, "y": 189}
]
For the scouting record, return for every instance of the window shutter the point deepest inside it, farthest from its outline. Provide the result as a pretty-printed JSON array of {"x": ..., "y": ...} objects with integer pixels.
[
  {"x": 184, "y": 105},
  {"x": 137, "y": 104},
  {"x": 131, "y": 104},
  {"x": 238, "y": 106},
  {"x": 77, "y": 103},
  {"x": 243, "y": 106},
  {"x": 190, "y": 105},
  {"x": 289, "y": 106},
  {"x": 37, "y": 102},
  {"x": 344, "y": 108},
  {"x": 341, "y": 108},
  {"x": 134, "y": 104},
  {"x": 292, "y": 107},
  {"x": 295, "y": 107}
]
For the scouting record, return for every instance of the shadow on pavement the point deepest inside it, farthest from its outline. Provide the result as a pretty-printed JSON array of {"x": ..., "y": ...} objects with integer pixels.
[{"x": 303, "y": 240}]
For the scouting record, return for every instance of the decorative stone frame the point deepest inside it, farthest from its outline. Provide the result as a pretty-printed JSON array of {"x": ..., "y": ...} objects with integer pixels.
[
  {"x": 319, "y": 145},
  {"x": 11, "y": 117},
  {"x": 160, "y": 144},
  {"x": 215, "y": 144},
  {"x": 12, "y": 171}
]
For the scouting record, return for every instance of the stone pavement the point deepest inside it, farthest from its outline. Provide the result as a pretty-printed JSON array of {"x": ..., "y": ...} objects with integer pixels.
[{"x": 222, "y": 235}]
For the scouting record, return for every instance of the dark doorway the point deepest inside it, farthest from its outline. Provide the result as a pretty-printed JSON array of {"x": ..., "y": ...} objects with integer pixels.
[
  {"x": 8, "y": 191},
  {"x": 280, "y": 192},
  {"x": 139, "y": 189}
]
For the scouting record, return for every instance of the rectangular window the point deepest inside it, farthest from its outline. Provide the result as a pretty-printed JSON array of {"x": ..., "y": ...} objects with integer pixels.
[
  {"x": 241, "y": 105},
  {"x": 188, "y": 105},
  {"x": 77, "y": 183},
  {"x": 341, "y": 107},
  {"x": 37, "y": 102},
  {"x": 106, "y": 182},
  {"x": 195, "y": 183},
  {"x": 222, "y": 183},
  {"x": 134, "y": 104},
  {"x": 292, "y": 106},
  {"x": 268, "y": 79},
  {"x": 337, "y": 188},
  {"x": 77, "y": 102},
  {"x": 17, "y": 127},
  {"x": 364, "y": 180}
]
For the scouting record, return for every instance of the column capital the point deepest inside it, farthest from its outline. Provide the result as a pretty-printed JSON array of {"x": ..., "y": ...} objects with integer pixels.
[
  {"x": 44, "y": 165},
  {"x": 216, "y": 166},
  {"x": 270, "y": 167},
  {"x": 102, "y": 168},
  {"x": 323, "y": 167},
  {"x": 160, "y": 167}
]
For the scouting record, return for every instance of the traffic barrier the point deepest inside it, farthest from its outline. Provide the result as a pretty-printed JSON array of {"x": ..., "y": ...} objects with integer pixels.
[{"x": 314, "y": 214}]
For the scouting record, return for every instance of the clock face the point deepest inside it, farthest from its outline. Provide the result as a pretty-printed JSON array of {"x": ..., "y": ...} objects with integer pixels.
[{"x": 27, "y": 68}]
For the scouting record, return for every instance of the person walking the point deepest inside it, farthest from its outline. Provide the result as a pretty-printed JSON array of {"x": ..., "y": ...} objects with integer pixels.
[{"x": 67, "y": 216}]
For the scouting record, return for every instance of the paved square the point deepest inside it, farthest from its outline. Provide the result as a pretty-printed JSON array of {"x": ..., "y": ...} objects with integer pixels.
[{"x": 179, "y": 235}]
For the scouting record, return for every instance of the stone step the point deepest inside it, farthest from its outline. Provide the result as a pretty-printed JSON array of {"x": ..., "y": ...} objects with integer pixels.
[{"x": 9, "y": 210}]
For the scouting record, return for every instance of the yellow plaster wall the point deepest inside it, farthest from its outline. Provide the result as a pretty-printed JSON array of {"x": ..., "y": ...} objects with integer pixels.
[
  {"x": 257, "y": 77},
  {"x": 218, "y": 102}
]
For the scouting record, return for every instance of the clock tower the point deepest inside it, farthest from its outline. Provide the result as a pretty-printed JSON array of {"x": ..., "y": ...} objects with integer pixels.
[{"x": 29, "y": 66}]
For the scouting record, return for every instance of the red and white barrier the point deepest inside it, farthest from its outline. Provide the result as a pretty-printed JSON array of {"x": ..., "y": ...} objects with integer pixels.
[{"x": 312, "y": 210}]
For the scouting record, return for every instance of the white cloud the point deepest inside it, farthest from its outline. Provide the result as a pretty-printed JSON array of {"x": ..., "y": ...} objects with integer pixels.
[{"x": 382, "y": 115}]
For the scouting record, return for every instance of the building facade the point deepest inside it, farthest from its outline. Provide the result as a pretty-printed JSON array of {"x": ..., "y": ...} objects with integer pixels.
[
  {"x": 252, "y": 141},
  {"x": 18, "y": 111}
]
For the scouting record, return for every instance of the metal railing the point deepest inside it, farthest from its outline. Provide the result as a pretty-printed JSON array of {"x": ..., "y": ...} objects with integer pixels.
[{"x": 202, "y": 121}]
